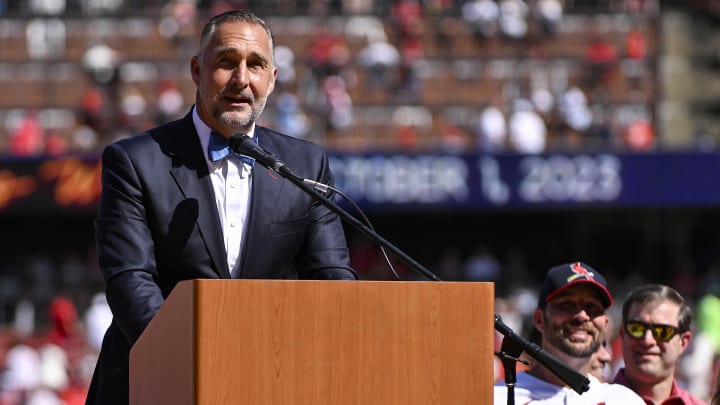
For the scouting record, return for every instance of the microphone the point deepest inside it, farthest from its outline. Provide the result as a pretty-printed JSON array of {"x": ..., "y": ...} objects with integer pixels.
[
  {"x": 578, "y": 382},
  {"x": 244, "y": 145}
]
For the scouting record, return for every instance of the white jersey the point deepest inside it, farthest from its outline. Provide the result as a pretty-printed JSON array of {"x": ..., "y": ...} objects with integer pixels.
[{"x": 534, "y": 391}]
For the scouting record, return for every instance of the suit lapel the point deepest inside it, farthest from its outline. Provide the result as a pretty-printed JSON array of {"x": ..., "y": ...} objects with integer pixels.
[{"x": 191, "y": 175}]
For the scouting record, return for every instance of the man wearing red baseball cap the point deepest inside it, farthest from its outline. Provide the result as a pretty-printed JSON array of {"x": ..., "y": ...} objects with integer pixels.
[{"x": 571, "y": 320}]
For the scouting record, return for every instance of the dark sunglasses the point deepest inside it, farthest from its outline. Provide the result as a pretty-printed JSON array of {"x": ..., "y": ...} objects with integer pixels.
[{"x": 659, "y": 331}]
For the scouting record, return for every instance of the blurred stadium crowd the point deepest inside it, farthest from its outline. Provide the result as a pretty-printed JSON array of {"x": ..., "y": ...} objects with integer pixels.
[
  {"x": 489, "y": 76},
  {"x": 486, "y": 75}
]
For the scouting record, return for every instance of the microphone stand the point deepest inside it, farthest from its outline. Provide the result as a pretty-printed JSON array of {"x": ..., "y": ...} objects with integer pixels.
[
  {"x": 572, "y": 378},
  {"x": 509, "y": 356}
]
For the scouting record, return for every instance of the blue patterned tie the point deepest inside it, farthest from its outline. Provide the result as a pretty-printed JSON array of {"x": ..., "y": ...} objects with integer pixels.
[{"x": 218, "y": 149}]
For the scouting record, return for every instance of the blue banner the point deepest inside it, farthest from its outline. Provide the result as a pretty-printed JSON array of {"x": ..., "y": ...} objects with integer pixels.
[
  {"x": 423, "y": 182},
  {"x": 380, "y": 182}
]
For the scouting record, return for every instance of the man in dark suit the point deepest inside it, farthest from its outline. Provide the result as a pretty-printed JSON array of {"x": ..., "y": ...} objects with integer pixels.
[{"x": 172, "y": 211}]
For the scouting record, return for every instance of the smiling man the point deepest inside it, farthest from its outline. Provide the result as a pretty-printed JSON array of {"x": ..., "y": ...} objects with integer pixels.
[
  {"x": 655, "y": 331},
  {"x": 571, "y": 320}
]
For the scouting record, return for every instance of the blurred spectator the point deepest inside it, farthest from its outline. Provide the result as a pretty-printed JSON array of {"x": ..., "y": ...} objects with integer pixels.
[
  {"x": 412, "y": 125},
  {"x": 24, "y": 322},
  {"x": 639, "y": 135},
  {"x": 703, "y": 361},
  {"x": 543, "y": 100},
  {"x": 635, "y": 47},
  {"x": 27, "y": 138},
  {"x": 101, "y": 62},
  {"x": 96, "y": 109},
  {"x": 482, "y": 17},
  {"x": 328, "y": 53},
  {"x": 601, "y": 130},
  {"x": 574, "y": 112},
  {"x": 601, "y": 58},
  {"x": 406, "y": 19},
  {"x": 600, "y": 362},
  {"x": 481, "y": 265},
  {"x": 45, "y": 38},
  {"x": 42, "y": 396},
  {"x": 380, "y": 60},
  {"x": 285, "y": 62},
  {"x": 289, "y": 116},
  {"x": 96, "y": 7},
  {"x": 708, "y": 313},
  {"x": 97, "y": 319},
  {"x": 527, "y": 132},
  {"x": 84, "y": 139},
  {"x": 55, "y": 143},
  {"x": 447, "y": 32},
  {"x": 47, "y": 7},
  {"x": 178, "y": 24},
  {"x": 491, "y": 128},
  {"x": 337, "y": 104},
  {"x": 452, "y": 139},
  {"x": 169, "y": 104},
  {"x": 549, "y": 14},
  {"x": 54, "y": 366},
  {"x": 648, "y": 8},
  {"x": 133, "y": 108},
  {"x": 21, "y": 374},
  {"x": 633, "y": 67},
  {"x": 406, "y": 137},
  {"x": 64, "y": 322},
  {"x": 409, "y": 83},
  {"x": 513, "y": 18}
]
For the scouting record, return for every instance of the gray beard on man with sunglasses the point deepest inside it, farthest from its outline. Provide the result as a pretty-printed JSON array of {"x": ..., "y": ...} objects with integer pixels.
[{"x": 655, "y": 331}]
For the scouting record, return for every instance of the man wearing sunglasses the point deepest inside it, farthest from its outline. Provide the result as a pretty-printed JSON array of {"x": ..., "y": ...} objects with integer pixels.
[
  {"x": 655, "y": 331},
  {"x": 571, "y": 321}
]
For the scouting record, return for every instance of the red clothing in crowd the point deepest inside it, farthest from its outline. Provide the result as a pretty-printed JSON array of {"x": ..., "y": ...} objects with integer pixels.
[{"x": 678, "y": 395}]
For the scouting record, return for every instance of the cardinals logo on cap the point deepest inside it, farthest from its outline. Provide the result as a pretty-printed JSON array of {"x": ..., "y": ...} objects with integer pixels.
[{"x": 580, "y": 271}]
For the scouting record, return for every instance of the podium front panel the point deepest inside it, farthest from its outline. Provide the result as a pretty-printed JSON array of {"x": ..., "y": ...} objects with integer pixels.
[{"x": 327, "y": 342}]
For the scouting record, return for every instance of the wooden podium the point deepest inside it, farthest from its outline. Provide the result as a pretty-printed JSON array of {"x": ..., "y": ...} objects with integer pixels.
[{"x": 261, "y": 342}]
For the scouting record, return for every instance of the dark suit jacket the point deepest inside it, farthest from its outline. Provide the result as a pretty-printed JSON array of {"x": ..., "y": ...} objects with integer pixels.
[{"x": 158, "y": 224}]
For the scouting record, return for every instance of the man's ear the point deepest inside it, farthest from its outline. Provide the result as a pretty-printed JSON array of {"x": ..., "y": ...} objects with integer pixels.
[
  {"x": 273, "y": 81},
  {"x": 195, "y": 70},
  {"x": 685, "y": 339},
  {"x": 538, "y": 319}
]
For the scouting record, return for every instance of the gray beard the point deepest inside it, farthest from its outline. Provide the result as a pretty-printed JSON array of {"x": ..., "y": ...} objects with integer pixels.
[{"x": 229, "y": 119}]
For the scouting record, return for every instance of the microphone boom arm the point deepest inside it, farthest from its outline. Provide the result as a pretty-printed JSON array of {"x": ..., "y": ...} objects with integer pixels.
[{"x": 242, "y": 144}]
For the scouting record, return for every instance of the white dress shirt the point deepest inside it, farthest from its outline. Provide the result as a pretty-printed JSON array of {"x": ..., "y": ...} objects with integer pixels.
[
  {"x": 532, "y": 390},
  {"x": 231, "y": 180}
]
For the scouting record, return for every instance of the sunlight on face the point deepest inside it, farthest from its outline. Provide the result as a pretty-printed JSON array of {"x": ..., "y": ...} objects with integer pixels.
[
  {"x": 234, "y": 75},
  {"x": 574, "y": 321},
  {"x": 646, "y": 358}
]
